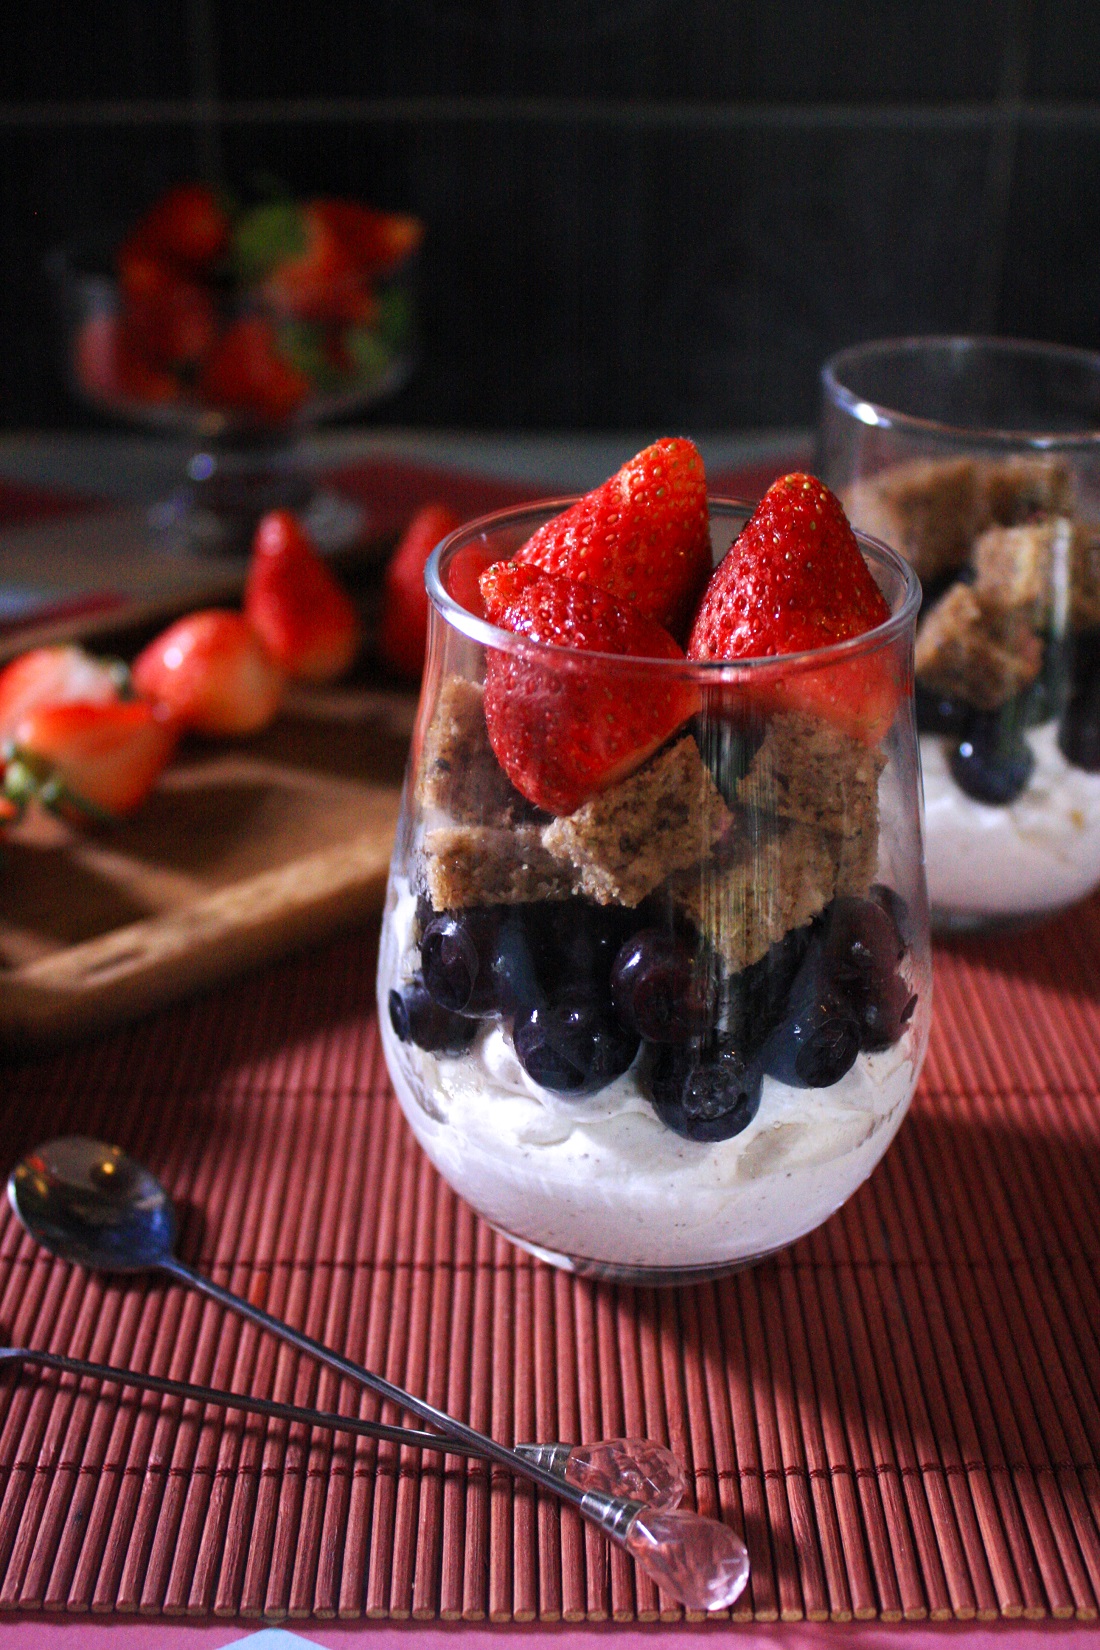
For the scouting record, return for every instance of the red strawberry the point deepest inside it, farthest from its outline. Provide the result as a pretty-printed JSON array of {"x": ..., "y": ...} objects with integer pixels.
[
  {"x": 643, "y": 535},
  {"x": 108, "y": 367},
  {"x": 55, "y": 676},
  {"x": 294, "y": 603},
  {"x": 403, "y": 623},
  {"x": 564, "y": 730},
  {"x": 89, "y": 759},
  {"x": 245, "y": 373},
  {"x": 187, "y": 224},
  {"x": 211, "y": 672},
  {"x": 377, "y": 242},
  {"x": 792, "y": 581}
]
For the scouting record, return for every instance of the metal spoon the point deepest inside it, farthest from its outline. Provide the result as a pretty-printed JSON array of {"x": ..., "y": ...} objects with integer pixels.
[
  {"x": 656, "y": 1477},
  {"x": 88, "y": 1202}
]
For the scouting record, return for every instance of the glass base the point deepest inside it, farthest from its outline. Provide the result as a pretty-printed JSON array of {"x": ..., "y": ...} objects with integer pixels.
[{"x": 641, "y": 1276}]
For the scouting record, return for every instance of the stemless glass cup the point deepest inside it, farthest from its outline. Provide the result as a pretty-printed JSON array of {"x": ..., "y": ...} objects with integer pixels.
[
  {"x": 671, "y": 1030},
  {"x": 979, "y": 459}
]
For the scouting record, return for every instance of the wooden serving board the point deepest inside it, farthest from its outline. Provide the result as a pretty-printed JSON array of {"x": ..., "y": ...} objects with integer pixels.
[{"x": 245, "y": 849}]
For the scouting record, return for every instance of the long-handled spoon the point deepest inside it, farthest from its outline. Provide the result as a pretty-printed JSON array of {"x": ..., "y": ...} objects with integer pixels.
[
  {"x": 632, "y": 1467},
  {"x": 89, "y": 1203}
]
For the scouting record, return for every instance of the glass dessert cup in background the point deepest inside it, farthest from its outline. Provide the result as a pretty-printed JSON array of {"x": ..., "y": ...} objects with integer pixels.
[
  {"x": 669, "y": 1033},
  {"x": 979, "y": 459},
  {"x": 240, "y": 441}
]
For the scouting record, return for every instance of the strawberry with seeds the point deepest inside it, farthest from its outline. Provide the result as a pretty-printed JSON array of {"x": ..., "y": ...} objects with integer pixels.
[
  {"x": 561, "y": 732},
  {"x": 403, "y": 623},
  {"x": 56, "y": 676},
  {"x": 88, "y": 761},
  {"x": 212, "y": 673},
  {"x": 295, "y": 604},
  {"x": 643, "y": 535},
  {"x": 794, "y": 581}
]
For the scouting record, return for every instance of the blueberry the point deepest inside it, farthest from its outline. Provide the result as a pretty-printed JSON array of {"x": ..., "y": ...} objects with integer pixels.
[
  {"x": 573, "y": 1045},
  {"x": 819, "y": 1039},
  {"x": 1079, "y": 733},
  {"x": 574, "y": 943},
  {"x": 938, "y": 714},
  {"x": 993, "y": 762},
  {"x": 704, "y": 1093},
  {"x": 660, "y": 987},
  {"x": 417, "y": 1019},
  {"x": 896, "y": 909},
  {"x": 861, "y": 951},
  {"x": 455, "y": 955},
  {"x": 752, "y": 1003}
]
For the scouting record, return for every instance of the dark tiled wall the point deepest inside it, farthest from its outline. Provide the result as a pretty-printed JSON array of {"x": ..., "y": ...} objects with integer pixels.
[{"x": 647, "y": 213}]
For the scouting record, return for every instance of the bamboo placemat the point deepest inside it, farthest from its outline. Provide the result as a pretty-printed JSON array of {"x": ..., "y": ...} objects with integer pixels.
[{"x": 902, "y": 1412}]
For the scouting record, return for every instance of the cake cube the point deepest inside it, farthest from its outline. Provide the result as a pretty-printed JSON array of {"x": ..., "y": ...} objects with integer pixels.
[
  {"x": 1013, "y": 567},
  {"x": 625, "y": 841},
  {"x": 974, "y": 654},
  {"x": 930, "y": 510},
  {"x": 464, "y": 865},
  {"x": 1020, "y": 488},
  {"x": 762, "y": 884},
  {"x": 458, "y": 772},
  {"x": 810, "y": 771}
]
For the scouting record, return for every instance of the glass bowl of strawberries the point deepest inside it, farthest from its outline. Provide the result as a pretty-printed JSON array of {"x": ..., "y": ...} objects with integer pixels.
[
  {"x": 235, "y": 329},
  {"x": 654, "y": 981}
]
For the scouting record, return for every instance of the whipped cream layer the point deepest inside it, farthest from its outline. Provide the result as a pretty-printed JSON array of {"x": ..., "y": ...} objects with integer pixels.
[
  {"x": 1037, "y": 854},
  {"x": 602, "y": 1180}
]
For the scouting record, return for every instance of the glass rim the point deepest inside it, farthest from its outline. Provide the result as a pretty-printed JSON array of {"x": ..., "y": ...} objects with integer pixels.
[
  {"x": 879, "y": 416},
  {"x": 711, "y": 670}
]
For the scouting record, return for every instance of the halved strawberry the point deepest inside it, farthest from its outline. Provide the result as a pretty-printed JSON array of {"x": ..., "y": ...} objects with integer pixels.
[
  {"x": 793, "y": 581},
  {"x": 211, "y": 672},
  {"x": 565, "y": 729},
  {"x": 295, "y": 604},
  {"x": 88, "y": 760},
  {"x": 56, "y": 676},
  {"x": 643, "y": 535},
  {"x": 403, "y": 621}
]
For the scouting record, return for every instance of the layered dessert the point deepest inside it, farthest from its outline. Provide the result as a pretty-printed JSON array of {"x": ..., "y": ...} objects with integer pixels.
[
  {"x": 654, "y": 982},
  {"x": 1008, "y": 676}
]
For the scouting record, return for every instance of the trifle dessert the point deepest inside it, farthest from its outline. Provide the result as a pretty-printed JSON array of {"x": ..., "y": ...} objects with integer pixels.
[
  {"x": 654, "y": 982},
  {"x": 979, "y": 459}
]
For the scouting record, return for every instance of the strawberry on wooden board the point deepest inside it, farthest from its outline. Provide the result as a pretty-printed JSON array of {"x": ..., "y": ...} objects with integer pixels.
[
  {"x": 88, "y": 760},
  {"x": 403, "y": 620},
  {"x": 293, "y": 601},
  {"x": 58, "y": 675},
  {"x": 643, "y": 535},
  {"x": 794, "y": 580},
  {"x": 563, "y": 729},
  {"x": 212, "y": 673}
]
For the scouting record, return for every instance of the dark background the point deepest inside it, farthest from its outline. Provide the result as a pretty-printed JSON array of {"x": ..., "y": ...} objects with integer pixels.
[{"x": 640, "y": 213}]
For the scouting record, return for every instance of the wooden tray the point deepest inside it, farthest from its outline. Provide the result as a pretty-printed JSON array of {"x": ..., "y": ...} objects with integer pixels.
[{"x": 245, "y": 849}]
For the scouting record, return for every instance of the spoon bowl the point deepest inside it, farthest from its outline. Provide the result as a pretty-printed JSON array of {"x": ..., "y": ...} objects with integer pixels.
[{"x": 90, "y": 1203}]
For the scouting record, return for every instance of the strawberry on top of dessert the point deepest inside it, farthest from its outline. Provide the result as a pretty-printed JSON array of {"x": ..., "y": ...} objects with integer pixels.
[{"x": 793, "y": 581}]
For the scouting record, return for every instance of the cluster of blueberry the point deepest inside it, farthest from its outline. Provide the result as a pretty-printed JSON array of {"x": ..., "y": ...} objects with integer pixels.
[
  {"x": 586, "y": 986},
  {"x": 990, "y": 758}
]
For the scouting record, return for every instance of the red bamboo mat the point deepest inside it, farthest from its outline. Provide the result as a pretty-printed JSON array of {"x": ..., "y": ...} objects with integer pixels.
[{"x": 902, "y": 1412}]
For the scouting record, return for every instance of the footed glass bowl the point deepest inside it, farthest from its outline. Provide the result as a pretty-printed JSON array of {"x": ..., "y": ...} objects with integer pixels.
[{"x": 671, "y": 1030}]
